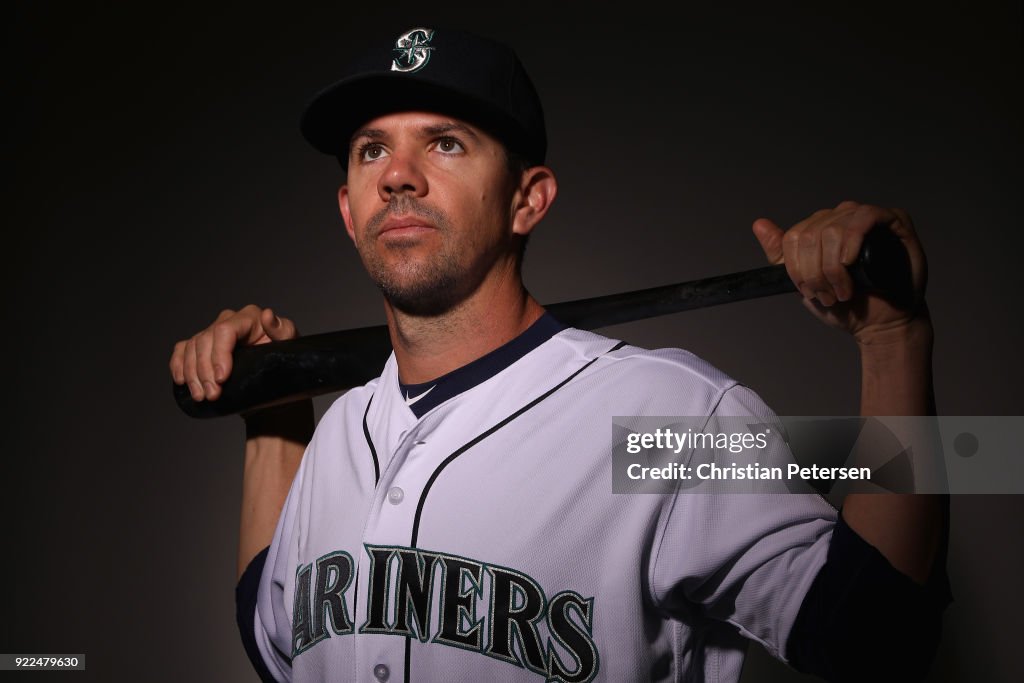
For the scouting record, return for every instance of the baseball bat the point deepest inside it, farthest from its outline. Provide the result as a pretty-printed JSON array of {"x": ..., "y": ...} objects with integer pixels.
[{"x": 280, "y": 372}]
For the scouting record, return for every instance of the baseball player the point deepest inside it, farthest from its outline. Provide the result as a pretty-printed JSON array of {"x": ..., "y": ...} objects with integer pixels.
[{"x": 453, "y": 520}]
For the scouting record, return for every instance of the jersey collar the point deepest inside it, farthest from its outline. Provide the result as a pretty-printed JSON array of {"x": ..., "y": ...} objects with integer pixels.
[{"x": 424, "y": 396}]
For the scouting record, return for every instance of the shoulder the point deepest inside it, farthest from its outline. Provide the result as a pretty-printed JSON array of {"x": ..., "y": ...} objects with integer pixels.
[
  {"x": 673, "y": 362},
  {"x": 671, "y": 379},
  {"x": 672, "y": 365}
]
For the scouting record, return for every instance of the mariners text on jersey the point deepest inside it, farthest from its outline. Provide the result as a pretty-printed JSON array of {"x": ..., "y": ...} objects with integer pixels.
[{"x": 460, "y": 602}]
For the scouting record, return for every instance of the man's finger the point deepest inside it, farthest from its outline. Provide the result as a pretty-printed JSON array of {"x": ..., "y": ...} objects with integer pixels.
[
  {"x": 812, "y": 280},
  {"x": 191, "y": 377},
  {"x": 177, "y": 363},
  {"x": 276, "y": 327},
  {"x": 791, "y": 249},
  {"x": 859, "y": 223},
  {"x": 770, "y": 237},
  {"x": 226, "y": 336},
  {"x": 832, "y": 265},
  {"x": 204, "y": 365}
]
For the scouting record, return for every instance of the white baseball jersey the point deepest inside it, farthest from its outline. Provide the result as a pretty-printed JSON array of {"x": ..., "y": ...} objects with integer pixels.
[{"x": 481, "y": 541}]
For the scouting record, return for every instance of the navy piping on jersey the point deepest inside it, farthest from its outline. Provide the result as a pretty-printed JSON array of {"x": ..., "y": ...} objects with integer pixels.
[
  {"x": 369, "y": 442},
  {"x": 470, "y": 444},
  {"x": 437, "y": 391}
]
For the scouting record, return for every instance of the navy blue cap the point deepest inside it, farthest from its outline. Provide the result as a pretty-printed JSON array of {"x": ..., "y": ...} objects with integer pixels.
[{"x": 445, "y": 71}]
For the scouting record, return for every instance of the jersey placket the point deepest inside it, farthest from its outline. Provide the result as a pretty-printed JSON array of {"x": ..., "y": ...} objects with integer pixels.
[{"x": 407, "y": 468}]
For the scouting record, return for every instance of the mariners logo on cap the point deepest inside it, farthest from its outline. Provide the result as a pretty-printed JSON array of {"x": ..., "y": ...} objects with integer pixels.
[{"x": 413, "y": 50}]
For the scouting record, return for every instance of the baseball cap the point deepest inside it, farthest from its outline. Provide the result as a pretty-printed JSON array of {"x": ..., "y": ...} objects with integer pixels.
[{"x": 445, "y": 71}]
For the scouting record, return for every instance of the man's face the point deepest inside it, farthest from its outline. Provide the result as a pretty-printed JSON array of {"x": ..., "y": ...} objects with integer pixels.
[{"x": 429, "y": 205}]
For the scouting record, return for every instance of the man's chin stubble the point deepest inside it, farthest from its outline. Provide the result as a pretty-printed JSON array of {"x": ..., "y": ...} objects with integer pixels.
[{"x": 425, "y": 294}]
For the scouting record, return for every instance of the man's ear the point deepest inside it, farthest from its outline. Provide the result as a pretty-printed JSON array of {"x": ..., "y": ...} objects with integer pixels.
[
  {"x": 346, "y": 213},
  {"x": 533, "y": 198}
]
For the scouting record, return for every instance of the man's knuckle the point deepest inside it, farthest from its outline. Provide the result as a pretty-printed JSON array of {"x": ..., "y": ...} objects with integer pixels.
[
  {"x": 222, "y": 330},
  {"x": 815, "y": 281},
  {"x": 832, "y": 235},
  {"x": 833, "y": 271},
  {"x": 807, "y": 238},
  {"x": 870, "y": 211}
]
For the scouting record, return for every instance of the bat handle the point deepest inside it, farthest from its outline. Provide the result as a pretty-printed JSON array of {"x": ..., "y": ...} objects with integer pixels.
[{"x": 884, "y": 268}]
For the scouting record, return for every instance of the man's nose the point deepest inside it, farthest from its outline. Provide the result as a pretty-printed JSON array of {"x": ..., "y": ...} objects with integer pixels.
[{"x": 402, "y": 175}]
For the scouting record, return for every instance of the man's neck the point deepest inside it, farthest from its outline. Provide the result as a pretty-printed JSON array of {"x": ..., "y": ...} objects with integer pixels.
[{"x": 429, "y": 347}]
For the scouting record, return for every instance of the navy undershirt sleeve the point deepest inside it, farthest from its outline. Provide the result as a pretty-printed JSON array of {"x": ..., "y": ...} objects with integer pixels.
[
  {"x": 245, "y": 612},
  {"x": 862, "y": 619}
]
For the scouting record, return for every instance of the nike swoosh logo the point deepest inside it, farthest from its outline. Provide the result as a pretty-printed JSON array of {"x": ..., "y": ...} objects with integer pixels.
[{"x": 409, "y": 400}]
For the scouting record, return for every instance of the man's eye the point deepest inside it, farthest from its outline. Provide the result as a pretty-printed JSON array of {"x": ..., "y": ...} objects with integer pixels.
[
  {"x": 371, "y": 151},
  {"x": 450, "y": 146}
]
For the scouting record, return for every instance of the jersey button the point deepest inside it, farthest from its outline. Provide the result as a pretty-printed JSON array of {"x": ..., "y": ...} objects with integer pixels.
[
  {"x": 381, "y": 672},
  {"x": 396, "y": 495}
]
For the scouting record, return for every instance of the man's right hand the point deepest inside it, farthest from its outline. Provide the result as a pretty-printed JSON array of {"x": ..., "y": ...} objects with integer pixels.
[
  {"x": 204, "y": 361},
  {"x": 275, "y": 438}
]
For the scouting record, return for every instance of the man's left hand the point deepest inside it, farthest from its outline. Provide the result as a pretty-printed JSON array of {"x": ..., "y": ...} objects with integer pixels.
[{"x": 817, "y": 251}]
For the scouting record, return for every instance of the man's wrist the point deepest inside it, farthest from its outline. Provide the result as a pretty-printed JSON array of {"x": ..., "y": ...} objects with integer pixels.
[{"x": 914, "y": 335}]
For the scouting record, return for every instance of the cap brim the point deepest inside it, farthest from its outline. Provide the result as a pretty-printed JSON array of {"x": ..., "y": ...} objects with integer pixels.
[{"x": 337, "y": 112}]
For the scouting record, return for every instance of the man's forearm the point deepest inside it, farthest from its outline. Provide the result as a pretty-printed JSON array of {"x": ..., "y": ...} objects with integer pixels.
[
  {"x": 897, "y": 380},
  {"x": 275, "y": 441}
]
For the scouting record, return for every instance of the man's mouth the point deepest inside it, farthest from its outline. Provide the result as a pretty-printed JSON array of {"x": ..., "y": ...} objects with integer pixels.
[{"x": 404, "y": 226}]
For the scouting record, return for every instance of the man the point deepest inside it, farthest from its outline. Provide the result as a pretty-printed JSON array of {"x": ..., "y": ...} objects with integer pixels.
[{"x": 454, "y": 520}]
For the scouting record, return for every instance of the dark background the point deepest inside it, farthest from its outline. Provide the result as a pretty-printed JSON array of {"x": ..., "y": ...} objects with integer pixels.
[{"x": 156, "y": 175}]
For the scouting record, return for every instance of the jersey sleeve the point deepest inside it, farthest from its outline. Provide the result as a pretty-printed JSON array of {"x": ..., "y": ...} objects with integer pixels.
[{"x": 746, "y": 559}]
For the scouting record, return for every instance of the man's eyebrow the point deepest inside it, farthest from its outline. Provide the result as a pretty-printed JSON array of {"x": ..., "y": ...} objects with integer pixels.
[
  {"x": 449, "y": 127},
  {"x": 373, "y": 133},
  {"x": 370, "y": 133}
]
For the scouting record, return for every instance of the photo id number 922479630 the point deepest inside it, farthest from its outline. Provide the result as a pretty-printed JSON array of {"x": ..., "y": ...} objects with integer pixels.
[{"x": 35, "y": 662}]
